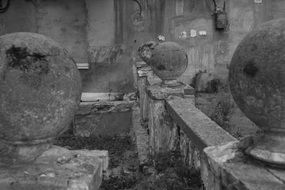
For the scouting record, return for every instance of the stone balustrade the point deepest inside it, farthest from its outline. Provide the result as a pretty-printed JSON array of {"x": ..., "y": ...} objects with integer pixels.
[{"x": 173, "y": 122}]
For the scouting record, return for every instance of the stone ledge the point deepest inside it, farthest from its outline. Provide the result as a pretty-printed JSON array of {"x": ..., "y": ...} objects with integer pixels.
[
  {"x": 158, "y": 92},
  {"x": 226, "y": 167},
  {"x": 202, "y": 131},
  {"x": 140, "y": 64},
  {"x": 143, "y": 72},
  {"x": 152, "y": 78},
  {"x": 86, "y": 108},
  {"x": 106, "y": 118},
  {"x": 57, "y": 168}
]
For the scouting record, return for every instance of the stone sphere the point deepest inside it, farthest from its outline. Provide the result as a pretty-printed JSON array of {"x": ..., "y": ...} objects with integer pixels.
[
  {"x": 40, "y": 88},
  {"x": 167, "y": 59},
  {"x": 257, "y": 76}
]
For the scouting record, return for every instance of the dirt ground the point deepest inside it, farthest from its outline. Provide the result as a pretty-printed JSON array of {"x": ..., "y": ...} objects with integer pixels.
[{"x": 162, "y": 172}]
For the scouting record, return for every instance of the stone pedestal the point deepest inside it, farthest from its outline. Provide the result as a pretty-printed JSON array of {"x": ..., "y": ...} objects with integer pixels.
[
  {"x": 162, "y": 131},
  {"x": 57, "y": 168},
  {"x": 227, "y": 167}
]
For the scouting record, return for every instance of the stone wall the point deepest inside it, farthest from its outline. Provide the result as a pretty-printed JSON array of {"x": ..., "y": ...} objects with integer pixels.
[
  {"x": 174, "y": 123},
  {"x": 172, "y": 120},
  {"x": 103, "y": 118},
  {"x": 86, "y": 29},
  {"x": 107, "y": 33}
]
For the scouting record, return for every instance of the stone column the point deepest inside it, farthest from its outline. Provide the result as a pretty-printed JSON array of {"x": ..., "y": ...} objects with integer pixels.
[{"x": 162, "y": 130}]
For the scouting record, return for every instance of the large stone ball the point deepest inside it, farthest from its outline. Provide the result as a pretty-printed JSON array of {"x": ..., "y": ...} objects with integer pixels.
[
  {"x": 257, "y": 76},
  {"x": 167, "y": 59},
  {"x": 40, "y": 88}
]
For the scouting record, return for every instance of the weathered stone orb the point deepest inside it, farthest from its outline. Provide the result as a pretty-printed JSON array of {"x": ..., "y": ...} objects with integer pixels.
[
  {"x": 257, "y": 82},
  {"x": 167, "y": 59},
  {"x": 40, "y": 89}
]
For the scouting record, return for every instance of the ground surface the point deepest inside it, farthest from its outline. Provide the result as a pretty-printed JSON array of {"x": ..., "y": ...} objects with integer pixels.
[{"x": 162, "y": 172}]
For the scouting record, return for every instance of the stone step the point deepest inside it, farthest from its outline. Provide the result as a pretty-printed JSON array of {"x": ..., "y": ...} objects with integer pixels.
[{"x": 57, "y": 168}]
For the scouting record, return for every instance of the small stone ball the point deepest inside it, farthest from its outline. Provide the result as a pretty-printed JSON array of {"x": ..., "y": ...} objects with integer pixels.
[
  {"x": 40, "y": 88},
  {"x": 167, "y": 59},
  {"x": 257, "y": 75}
]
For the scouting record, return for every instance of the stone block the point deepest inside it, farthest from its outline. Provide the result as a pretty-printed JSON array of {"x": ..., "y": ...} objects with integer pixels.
[
  {"x": 198, "y": 127},
  {"x": 144, "y": 71},
  {"x": 57, "y": 168},
  {"x": 140, "y": 64},
  {"x": 226, "y": 167},
  {"x": 106, "y": 118},
  {"x": 158, "y": 92},
  {"x": 188, "y": 90},
  {"x": 161, "y": 127}
]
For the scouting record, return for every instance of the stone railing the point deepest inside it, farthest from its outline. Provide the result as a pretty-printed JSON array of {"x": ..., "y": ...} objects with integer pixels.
[{"x": 174, "y": 122}]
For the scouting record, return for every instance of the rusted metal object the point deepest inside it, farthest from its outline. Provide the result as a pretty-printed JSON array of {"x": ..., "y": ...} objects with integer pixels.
[
  {"x": 168, "y": 60},
  {"x": 257, "y": 82},
  {"x": 40, "y": 90}
]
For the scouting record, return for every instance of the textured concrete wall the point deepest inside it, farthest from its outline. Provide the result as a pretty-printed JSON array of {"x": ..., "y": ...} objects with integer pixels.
[
  {"x": 86, "y": 28},
  {"x": 212, "y": 53},
  {"x": 62, "y": 20},
  {"x": 65, "y": 22},
  {"x": 107, "y": 33}
]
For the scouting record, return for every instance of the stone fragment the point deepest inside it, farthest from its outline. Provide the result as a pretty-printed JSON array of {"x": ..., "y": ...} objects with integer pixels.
[
  {"x": 57, "y": 168},
  {"x": 227, "y": 167}
]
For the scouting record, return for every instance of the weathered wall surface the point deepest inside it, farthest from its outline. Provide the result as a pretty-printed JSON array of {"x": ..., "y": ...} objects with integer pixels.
[
  {"x": 65, "y": 22},
  {"x": 86, "y": 28},
  {"x": 212, "y": 53},
  {"x": 107, "y": 33}
]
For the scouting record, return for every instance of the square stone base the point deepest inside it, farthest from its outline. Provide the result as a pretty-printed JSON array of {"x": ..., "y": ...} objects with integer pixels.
[
  {"x": 227, "y": 167},
  {"x": 56, "y": 169}
]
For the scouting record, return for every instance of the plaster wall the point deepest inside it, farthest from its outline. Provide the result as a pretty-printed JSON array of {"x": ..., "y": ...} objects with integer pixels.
[
  {"x": 107, "y": 33},
  {"x": 86, "y": 28},
  {"x": 212, "y": 53}
]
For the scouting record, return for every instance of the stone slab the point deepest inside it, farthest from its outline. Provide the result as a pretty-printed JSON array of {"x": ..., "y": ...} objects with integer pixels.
[
  {"x": 144, "y": 71},
  {"x": 56, "y": 169},
  {"x": 96, "y": 96},
  {"x": 162, "y": 129},
  {"x": 202, "y": 131},
  {"x": 153, "y": 78},
  {"x": 140, "y": 64},
  {"x": 158, "y": 92},
  {"x": 106, "y": 118},
  {"x": 227, "y": 167},
  {"x": 189, "y": 91}
]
